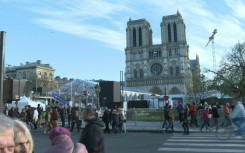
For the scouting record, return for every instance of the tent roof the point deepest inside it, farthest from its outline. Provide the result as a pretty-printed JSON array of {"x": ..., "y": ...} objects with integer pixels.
[{"x": 24, "y": 99}]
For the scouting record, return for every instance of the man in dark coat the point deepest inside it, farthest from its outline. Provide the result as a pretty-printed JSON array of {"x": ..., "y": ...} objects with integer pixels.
[
  {"x": 92, "y": 135},
  {"x": 106, "y": 119}
]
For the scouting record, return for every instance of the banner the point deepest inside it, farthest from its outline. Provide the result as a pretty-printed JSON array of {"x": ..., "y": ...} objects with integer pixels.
[{"x": 60, "y": 99}]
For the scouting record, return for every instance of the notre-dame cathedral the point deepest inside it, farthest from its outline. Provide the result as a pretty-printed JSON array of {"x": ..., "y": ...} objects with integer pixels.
[{"x": 159, "y": 68}]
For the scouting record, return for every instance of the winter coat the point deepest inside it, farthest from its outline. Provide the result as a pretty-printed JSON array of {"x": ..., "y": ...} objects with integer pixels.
[
  {"x": 215, "y": 112},
  {"x": 239, "y": 110},
  {"x": 64, "y": 144},
  {"x": 55, "y": 115},
  {"x": 115, "y": 118},
  {"x": 75, "y": 116},
  {"x": 92, "y": 136},
  {"x": 205, "y": 115},
  {"x": 106, "y": 116}
]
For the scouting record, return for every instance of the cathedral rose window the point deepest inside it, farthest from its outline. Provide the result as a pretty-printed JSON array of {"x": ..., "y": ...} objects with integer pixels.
[{"x": 156, "y": 69}]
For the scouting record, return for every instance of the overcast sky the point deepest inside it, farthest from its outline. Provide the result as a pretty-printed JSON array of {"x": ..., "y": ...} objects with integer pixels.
[{"x": 85, "y": 39}]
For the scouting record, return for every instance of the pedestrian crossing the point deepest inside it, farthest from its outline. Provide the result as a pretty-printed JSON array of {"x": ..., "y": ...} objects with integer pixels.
[{"x": 201, "y": 143}]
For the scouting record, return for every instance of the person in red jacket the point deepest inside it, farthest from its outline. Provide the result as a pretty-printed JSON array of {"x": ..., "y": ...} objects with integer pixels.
[
  {"x": 193, "y": 112},
  {"x": 205, "y": 118}
]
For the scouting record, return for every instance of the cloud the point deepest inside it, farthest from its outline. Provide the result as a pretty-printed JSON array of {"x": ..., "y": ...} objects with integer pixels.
[
  {"x": 96, "y": 20},
  {"x": 238, "y": 8},
  {"x": 105, "y": 21},
  {"x": 109, "y": 37}
]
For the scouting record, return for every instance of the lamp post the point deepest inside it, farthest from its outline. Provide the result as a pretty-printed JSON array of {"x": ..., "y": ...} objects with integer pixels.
[
  {"x": 97, "y": 91},
  {"x": 104, "y": 101}
]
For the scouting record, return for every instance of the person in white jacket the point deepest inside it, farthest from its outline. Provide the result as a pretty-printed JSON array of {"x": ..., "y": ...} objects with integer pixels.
[
  {"x": 35, "y": 118},
  {"x": 238, "y": 116}
]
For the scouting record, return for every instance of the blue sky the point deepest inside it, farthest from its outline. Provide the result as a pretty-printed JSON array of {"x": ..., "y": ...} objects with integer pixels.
[{"x": 85, "y": 39}]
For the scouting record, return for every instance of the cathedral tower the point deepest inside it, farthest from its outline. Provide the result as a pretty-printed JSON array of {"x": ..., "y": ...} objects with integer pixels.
[{"x": 156, "y": 67}]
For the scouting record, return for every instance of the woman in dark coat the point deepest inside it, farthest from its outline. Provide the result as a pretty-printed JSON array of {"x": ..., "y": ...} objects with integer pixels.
[
  {"x": 92, "y": 135},
  {"x": 185, "y": 120}
]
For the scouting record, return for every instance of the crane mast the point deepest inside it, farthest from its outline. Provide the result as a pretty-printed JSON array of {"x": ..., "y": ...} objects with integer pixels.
[{"x": 211, "y": 38}]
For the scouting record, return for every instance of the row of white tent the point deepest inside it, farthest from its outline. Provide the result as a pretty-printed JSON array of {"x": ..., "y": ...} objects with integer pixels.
[{"x": 24, "y": 101}]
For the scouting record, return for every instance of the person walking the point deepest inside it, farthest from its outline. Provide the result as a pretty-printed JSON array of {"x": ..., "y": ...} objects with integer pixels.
[
  {"x": 180, "y": 109},
  {"x": 216, "y": 116},
  {"x": 69, "y": 111},
  {"x": 54, "y": 117},
  {"x": 61, "y": 142},
  {"x": 92, "y": 135},
  {"x": 62, "y": 113},
  {"x": 205, "y": 118},
  {"x": 40, "y": 112},
  {"x": 29, "y": 116},
  {"x": 165, "y": 116},
  {"x": 227, "y": 113},
  {"x": 193, "y": 114},
  {"x": 75, "y": 119},
  {"x": 106, "y": 119},
  {"x": 238, "y": 116},
  {"x": 115, "y": 120},
  {"x": 35, "y": 118},
  {"x": 47, "y": 125},
  {"x": 185, "y": 120},
  {"x": 171, "y": 119}
]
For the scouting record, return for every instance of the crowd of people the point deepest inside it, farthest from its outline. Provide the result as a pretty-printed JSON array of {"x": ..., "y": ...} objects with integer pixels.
[
  {"x": 209, "y": 116},
  {"x": 15, "y": 129}
]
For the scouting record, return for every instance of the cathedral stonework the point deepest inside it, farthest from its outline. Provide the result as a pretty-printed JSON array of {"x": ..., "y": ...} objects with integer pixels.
[{"x": 158, "y": 67}]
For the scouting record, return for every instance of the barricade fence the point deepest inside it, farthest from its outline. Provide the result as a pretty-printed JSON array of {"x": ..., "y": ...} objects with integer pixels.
[{"x": 156, "y": 115}]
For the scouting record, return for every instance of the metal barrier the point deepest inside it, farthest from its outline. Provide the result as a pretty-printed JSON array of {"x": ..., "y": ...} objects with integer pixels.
[{"x": 156, "y": 115}]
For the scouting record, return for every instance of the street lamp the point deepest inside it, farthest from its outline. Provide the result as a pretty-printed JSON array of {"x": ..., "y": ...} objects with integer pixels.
[{"x": 97, "y": 91}]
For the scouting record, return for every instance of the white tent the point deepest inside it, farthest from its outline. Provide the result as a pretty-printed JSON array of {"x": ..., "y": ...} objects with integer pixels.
[{"x": 24, "y": 101}]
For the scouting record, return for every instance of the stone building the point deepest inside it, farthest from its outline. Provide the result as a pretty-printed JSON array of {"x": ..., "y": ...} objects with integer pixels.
[
  {"x": 158, "y": 68},
  {"x": 39, "y": 74}
]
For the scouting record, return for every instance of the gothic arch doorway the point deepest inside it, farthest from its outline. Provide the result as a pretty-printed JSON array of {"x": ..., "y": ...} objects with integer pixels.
[
  {"x": 156, "y": 90},
  {"x": 174, "y": 90}
]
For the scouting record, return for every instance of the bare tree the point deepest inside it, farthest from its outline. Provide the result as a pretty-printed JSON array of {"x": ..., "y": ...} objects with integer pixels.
[{"x": 231, "y": 73}]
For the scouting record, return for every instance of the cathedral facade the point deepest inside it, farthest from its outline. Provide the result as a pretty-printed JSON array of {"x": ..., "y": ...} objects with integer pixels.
[{"x": 158, "y": 68}]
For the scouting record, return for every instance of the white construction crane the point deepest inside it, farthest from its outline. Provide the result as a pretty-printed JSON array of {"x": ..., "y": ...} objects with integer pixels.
[{"x": 211, "y": 38}]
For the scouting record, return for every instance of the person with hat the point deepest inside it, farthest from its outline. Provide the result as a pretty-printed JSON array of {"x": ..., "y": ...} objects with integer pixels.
[
  {"x": 62, "y": 142},
  {"x": 92, "y": 135}
]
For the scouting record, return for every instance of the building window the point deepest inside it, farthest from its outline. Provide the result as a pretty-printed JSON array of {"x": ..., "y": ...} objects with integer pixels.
[
  {"x": 141, "y": 55},
  {"x": 175, "y": 33},
  {"x": 177, "y": 70},
  {"x": 141, "y": 73},
  {"x": 169, "y": 33},
  {"x": 175, "y": 51},
  {"x": 45, "y": 75},
  {"x": 170, "y": 52},
  {"x": 171, "y": 70},
  {"x": 140, "y": 37},
  {"x": 135, "y": 73},
  {"x": 134, "y": 37},
  {"x": 24, "y": 75}
]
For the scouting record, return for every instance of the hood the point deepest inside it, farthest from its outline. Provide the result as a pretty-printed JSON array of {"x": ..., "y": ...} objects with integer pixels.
[
  {"x": 61, "y": 139},
  {"x": 95, "y": 121}
]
